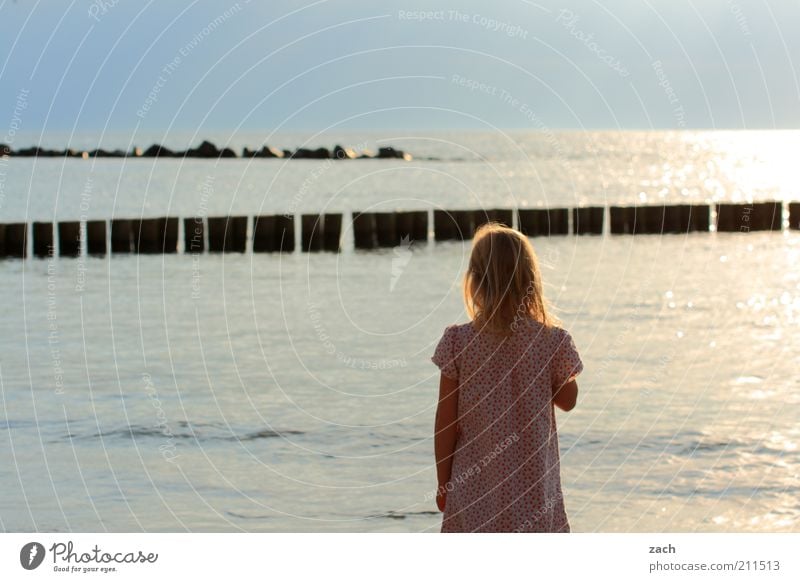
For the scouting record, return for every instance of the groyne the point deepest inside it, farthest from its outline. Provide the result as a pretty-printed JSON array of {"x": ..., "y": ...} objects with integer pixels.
[{"x": 374, "y": 230}]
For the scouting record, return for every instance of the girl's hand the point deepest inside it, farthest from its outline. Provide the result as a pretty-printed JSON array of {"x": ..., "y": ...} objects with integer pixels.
[{"x": 441, "y": 498}]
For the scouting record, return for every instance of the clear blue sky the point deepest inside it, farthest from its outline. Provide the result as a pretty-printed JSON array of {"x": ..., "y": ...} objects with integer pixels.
[{"x": 308, "y": 65}]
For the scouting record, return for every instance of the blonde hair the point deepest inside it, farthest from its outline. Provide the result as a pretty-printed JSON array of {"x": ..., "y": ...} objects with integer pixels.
[{"x": 503, "y": 284}]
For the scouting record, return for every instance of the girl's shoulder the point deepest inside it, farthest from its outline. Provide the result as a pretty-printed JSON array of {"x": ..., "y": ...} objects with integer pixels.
[
  {"x": 541, "y": 332},
  {"x": 530, "y": 328},
  {"x": 459, "y": 329},
  {"x": 460, "y": 335}
]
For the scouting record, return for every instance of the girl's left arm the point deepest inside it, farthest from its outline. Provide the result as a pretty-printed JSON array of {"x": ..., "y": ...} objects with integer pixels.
[{"x": 445, "y": 434}]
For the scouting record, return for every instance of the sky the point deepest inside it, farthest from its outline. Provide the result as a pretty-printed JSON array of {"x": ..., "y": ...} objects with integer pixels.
[{"x": 120, "y": 65}]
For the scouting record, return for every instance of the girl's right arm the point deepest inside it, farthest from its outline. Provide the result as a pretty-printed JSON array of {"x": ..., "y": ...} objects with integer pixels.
[
  {"x": 445, "y": 434},
  {"x": 566, "y": 396}
]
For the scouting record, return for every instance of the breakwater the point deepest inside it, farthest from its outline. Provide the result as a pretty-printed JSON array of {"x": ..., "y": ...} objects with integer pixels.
[
  {"x": 207, "y": 150},
  {"x": 374, "y": 230}
]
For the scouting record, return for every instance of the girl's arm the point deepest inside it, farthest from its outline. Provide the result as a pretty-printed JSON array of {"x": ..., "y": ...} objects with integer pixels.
[
  {"x": 566, "y": 396},
  {"x": 445, "y": 433}
]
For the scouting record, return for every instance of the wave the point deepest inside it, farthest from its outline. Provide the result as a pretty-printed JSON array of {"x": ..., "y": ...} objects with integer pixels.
[
  {"x": 401, "y": 515},
  {"x": 387, "y": 515},
  {"x": 681, "y": 444},
  {"x": 187, "y": 431},
  {"x": 243, "y": 516}
]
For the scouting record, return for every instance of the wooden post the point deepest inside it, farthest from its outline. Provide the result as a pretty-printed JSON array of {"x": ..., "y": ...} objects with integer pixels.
[
  {"x": 503, "y": 216},
  {"x": 364, "y": 236},
  {"x": 121, "y": 235},
  {"x": 16, "y": 240},
  {"x": 465, "y": 223},
  {"x": 273, "y": 234},
  {"x": 700, "y": 217},
  {"x": 311, "y": 232},
  {"x": 413, "y": 225},
  {"x": 170, "y": 234},
  {"x": 444, "y": 226},
  {"x": 386, "y": 229},
  {"x": 683, "y": 218},
  {"x": 620, "y": 219},
  {"x": 194, "y": 235},
  {"x": 146, "y": 236},
  {"x": 748, "y": 217},
  {"x": 227, "y": 234},
  {"x": 479, "y": 218},
  {"x": 558, "y": 221},
  {"x": 155, "y": 235},
  {"x": 543, "y": 221},
  {"x": 236, "y": 234},
  {"x": 453, "y": 224},
  {"x": 652, "y": 219},
  {"x": 332, "y": 232},
  {"x": 657, "y": 219},
  {"x": 216, "y": 233},
  {"x": 264, "y": 234},
  {"x": 677, "y": 218},
  {"x": 69, "y": 239},
  {"x": 587, "y": 220},
  {"x": 794, "y": 215},
  {"x": 768, "y": 215},
  {"x": 43, "y": 239},
  {"x": 636, "y": 220},
  {"x": 284, "y": 233},
  {"x": 96, "y": 237}
]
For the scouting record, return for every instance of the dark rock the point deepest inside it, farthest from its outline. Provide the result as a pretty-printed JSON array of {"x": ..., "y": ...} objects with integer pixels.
[
  {"x": 317, "y": 154},
  {"x": 340, "y": 153},
  {"x": 33, "y": 152},
  {"x": 270, "y": 152},
  {"x": 264, "y": 152},
  {"x": 106, "y": 154},
  {"x": 205, "y": 150},
  {"x": 157, "y": 151},
  {"x": 209, "y": 150},
  {"x": 390, "y": 152}
]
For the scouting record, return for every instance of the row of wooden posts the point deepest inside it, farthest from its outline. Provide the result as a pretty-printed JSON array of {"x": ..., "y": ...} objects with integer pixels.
[{"x": 374, "y": 229}]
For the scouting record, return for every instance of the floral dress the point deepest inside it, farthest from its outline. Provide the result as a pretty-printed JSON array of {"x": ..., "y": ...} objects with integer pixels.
[{"x": 506, "y": 469}]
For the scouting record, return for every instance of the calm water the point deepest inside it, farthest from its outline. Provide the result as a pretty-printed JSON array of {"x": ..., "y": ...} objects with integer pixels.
[
  {"x": 467, "y": 170},
  {"x": 294, "y": 393}
]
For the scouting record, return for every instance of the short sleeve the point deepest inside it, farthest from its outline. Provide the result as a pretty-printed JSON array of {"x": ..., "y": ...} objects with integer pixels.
[
  {"x": 567, "y": 362},
  {"x": 445, "y": 354}
]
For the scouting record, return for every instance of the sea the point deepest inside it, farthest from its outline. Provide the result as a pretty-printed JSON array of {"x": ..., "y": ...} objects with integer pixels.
[{"x": 294, "y": 392}]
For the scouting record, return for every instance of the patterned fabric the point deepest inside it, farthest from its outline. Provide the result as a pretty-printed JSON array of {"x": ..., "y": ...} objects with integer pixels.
[{"x": 506, "y": 470}]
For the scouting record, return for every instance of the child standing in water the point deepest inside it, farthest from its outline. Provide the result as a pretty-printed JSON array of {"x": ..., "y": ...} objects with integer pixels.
[{"x": 496, "y": 444}]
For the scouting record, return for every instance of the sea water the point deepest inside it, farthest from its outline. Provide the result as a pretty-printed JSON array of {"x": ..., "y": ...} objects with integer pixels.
[{"x": 295, "y": 392}]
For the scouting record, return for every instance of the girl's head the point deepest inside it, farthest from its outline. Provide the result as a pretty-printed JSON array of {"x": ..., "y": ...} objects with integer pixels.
[{"x": 503, "y": 284}]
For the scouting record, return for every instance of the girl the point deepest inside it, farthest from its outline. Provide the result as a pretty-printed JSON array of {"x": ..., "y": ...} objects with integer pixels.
[{"x": 496, "y": 445}]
